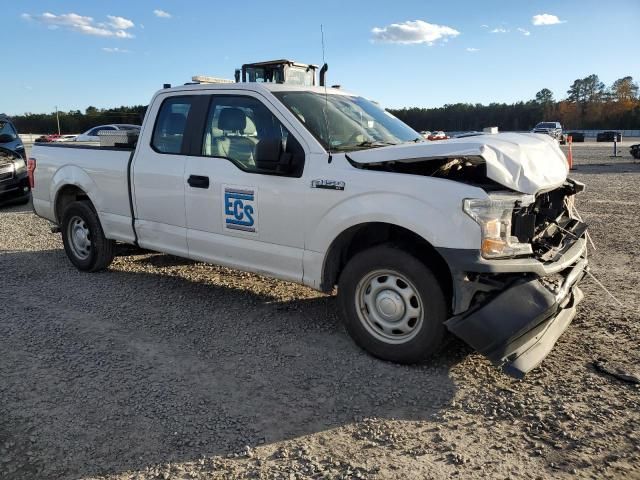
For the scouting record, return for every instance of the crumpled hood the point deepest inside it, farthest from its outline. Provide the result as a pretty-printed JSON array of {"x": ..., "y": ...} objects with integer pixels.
[{"x": 524, "y": 162}]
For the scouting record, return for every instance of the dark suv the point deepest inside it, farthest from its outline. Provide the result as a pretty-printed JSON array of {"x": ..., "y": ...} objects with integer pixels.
[{"x": 9, "y": 138}]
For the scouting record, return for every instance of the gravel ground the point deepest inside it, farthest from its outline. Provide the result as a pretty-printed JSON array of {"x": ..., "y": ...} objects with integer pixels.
[{"x": 167, "y": 368}]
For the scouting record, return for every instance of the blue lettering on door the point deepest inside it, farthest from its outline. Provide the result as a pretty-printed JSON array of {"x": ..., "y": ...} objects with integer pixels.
[{"x": 239, "y": 209}]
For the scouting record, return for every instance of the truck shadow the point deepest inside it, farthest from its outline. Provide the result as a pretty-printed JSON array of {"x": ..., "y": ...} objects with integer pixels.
[{"x": 120, "y": 370}]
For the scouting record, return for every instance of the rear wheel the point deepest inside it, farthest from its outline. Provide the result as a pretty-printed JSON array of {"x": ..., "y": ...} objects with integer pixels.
[
  {"x": 392, "y": 305},
  {"x": 83, "y": 238}
]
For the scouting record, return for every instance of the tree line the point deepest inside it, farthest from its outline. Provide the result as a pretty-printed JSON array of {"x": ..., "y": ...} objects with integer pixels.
[
  {"x": 76, "y": 121},
  {"x": 589, "y": 104}
]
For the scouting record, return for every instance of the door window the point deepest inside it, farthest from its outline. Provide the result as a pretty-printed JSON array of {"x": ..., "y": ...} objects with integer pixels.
[
  {"x": 171, "y": 123},
  {"x": 244, "y": 131}
]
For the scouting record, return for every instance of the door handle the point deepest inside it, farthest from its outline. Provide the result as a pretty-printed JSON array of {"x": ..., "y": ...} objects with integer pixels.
[{"x": 198, "y": 181}]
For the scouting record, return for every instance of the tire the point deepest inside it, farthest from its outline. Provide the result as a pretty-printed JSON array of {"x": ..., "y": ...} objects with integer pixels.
[
  {"x": 392, "y": 305},
  {"x": 83, "y": 238}
]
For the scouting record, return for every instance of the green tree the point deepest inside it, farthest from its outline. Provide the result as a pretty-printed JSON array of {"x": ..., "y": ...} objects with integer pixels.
[
  {"x": 544, "y": 96},
  {"x": 575, "y": 94},
  {"x": 593, "y": 88}
]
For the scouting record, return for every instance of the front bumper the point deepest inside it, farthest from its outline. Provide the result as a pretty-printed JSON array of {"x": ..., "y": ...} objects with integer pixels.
[
  {"x": 518, "y": 327},
  {"x": 14, "y": 189}
]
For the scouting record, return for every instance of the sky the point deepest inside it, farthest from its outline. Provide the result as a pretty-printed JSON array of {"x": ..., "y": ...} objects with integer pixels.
[{"x": 402, "y": 53}]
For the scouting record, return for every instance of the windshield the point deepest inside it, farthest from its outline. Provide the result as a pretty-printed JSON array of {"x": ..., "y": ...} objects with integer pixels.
[
  {"x": 546, "y": 125},
  {"x": 351, "y": 123}
]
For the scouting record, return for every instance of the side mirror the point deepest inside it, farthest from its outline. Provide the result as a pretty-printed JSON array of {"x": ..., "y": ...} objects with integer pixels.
[
  {"x": 271, "y": 156},
  {"x": 7, "y": 137}
]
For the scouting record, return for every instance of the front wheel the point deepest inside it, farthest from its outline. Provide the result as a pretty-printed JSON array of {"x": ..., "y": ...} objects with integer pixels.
[
  {"x": 392, "y": 305},
  {"x": 83, "y": 238}
]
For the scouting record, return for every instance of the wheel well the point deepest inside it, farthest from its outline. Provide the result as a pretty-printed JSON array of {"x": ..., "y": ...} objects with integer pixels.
[
  {"x": 67, "y": 195},
  {"x": 363, "y": 236}
]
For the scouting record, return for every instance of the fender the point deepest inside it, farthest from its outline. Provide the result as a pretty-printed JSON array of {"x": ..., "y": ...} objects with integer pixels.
[
  {"x": 76, "y": 176},
  {"x": 434, "y": 223}
]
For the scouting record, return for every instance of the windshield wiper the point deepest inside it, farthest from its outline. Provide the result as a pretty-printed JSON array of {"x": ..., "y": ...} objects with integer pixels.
[
  {"x": 365, "y": 144},
  {"x": 374, "y": 143}
]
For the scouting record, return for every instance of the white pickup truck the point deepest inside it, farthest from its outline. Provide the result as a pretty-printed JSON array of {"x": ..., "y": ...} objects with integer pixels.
[{"x": 475, "y": 235}]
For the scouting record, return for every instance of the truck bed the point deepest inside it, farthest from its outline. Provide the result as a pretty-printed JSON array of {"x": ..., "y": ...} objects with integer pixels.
[{"x": 103, "y": 173}]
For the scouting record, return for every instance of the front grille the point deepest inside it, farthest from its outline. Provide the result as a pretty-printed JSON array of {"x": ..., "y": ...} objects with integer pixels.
[
  {"x": 548, "y": 224},
  {"x": 6, "y": 171}
]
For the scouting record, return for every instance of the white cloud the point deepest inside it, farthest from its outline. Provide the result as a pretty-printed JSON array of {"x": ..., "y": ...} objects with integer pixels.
[
  {"x": 499, "y": 30},
  {"x": 472, "y": 49},
  {"x": 546, "y": 19},
  {"x": 161, "y": 14},
  {"x": 115, "y": 50},
  {"x": 120, "y": 23},
  {"x": 413, "y": 32},
  {"x": 484, "y": 25},
  {"x": 524, "y": 31},
  {"x": 84, "y": 25}
]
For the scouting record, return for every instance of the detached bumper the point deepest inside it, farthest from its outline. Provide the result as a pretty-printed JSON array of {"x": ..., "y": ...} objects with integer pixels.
[{"x": 517, "y": 328}]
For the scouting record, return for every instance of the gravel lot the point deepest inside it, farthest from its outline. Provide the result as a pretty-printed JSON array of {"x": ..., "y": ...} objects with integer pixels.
[{"x": 167, "y": 368}]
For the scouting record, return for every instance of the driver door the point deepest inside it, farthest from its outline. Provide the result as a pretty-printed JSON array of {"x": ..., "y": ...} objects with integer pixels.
[{"x": 243, "y": 197}]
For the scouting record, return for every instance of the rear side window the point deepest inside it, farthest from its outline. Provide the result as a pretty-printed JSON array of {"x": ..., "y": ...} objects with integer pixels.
[{"x": 171, "y": 123}]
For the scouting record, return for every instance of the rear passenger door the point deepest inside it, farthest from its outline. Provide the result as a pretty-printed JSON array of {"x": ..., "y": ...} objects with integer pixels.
[
  {"x": 158, "y": 176},
  {"x": 242, "y": 197}
]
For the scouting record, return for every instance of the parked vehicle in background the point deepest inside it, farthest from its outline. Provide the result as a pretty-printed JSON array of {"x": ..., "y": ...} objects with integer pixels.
[
  {"x": 553, "y": 129},
  {"x": 9, "y": 138},
  {"x": 322, "y": 187},
  {"x": 609, "y": 136},
  {"x": 425, "y": 134},
  {"x": 576, "y": 137},
  {"x": 14, "y": 182},
  {"x": 66, "y": 138},
  {"x": 47, "y": 138},
  {"x": 635, "y": 151},
  {"x": 91, "y": 135},
  {"x": 439, "y": 135}
]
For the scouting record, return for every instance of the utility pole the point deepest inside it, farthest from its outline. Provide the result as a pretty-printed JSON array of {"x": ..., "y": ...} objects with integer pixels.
[{"x": 58, "y": 120}]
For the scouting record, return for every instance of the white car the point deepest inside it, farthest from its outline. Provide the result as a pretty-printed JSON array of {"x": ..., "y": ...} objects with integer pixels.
[
  {"x": 66, "y": 138},
  {"x": 318, "y": 186},
  {"x": 91, "y": 135}
]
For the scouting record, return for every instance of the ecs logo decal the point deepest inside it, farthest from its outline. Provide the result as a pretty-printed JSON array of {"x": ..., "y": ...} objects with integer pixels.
[{"x": 240, "y": 209}]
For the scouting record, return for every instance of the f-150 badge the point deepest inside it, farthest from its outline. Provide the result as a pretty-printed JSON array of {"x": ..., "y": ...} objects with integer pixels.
[{"x": 240, "y": 209}]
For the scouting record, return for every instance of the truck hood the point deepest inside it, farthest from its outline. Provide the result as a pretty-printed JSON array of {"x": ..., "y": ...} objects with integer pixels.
[{"x": 526, "y": 163}]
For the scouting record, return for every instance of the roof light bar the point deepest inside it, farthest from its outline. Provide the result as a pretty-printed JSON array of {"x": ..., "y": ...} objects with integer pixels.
[{"x": 206, "y": 79}]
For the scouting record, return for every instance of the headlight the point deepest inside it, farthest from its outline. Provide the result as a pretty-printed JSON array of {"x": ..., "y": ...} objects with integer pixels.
[
  {"x": 19, "y": 165},
  {"x": 494, "y": 217}
]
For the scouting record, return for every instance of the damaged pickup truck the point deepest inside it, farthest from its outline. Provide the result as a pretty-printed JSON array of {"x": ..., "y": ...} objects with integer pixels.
[{"x": 476, "y": 235}]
